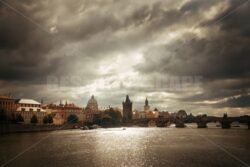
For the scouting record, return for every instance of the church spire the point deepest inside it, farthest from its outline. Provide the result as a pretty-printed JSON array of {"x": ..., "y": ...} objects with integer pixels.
[
  {"x": 146, "y": 102},
  {"x": 127, "y": 99},
  {"x": 146, "y": 106}
]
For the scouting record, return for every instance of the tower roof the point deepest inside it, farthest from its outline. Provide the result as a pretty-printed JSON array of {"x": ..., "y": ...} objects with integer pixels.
[
  {"x": 92, "y": 100},
  {"x": 127, "y": 99},
  {"x": 146, "y": 102},
  {"x": 92, "y": 103}
]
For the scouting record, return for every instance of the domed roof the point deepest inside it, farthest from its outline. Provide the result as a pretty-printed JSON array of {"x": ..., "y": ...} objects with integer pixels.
[
  {"x": 92, "y": 100},
  {"x": 92, "y": 104}
]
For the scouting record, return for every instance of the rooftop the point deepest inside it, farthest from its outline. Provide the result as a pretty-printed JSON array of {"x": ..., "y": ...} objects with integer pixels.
[
  {"x": 27, "y": 101},
  {"x": 5, "y": 97}
]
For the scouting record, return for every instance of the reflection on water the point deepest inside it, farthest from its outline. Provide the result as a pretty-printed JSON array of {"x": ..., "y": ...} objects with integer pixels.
[
  {"x": 124, "y": 146},
  {"x": 130, "y": 147}
]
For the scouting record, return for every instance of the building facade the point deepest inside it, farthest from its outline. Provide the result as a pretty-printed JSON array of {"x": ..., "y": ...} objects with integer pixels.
[
  {"x": 164, "y": 114},
  {"x": 146, "y": 113},
  {"x": 127, "y": 109},
  {"x": 62, "y": 112},
  {"x": 91, "y": 111},
  {"x": 7, "y": 103},
  {"x": 27, "y": 108},
  {"x": 28, "y": 105}
]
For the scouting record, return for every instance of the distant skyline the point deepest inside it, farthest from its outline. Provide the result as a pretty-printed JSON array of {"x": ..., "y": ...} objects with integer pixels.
[{"x": 191, "y": 55}]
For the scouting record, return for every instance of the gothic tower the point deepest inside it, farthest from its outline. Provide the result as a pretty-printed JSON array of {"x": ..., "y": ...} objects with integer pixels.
[
  {"x": 146, "y": 106},
  {"x": 127, "y": 109}
]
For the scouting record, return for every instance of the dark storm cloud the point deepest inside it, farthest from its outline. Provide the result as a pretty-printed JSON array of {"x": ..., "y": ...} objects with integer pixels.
[
  {"x": 75, "y": 37},
  {"x": 220, "y": 88},
  {"x": 25, "y": 47},
  {"x": 241, "y": 101},
  {"x": 139, "y": 22},
  {"x": 237, "y": 23},
  {"x": 22, "y": 46},
  {"x": 212, "y": 58},
  {"x": 219, "y": 57},
  {"x": 197, "y": 5}
]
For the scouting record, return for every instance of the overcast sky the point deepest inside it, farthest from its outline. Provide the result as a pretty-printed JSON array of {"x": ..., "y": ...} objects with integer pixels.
[{"x": 185, "y": 54}]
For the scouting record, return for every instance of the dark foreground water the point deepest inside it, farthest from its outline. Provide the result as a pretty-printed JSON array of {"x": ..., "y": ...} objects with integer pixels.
[{"x": 130, "y": 147}]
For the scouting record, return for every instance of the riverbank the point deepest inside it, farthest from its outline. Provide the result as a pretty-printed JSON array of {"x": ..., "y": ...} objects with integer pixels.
[{"x": 23, "y": 128}]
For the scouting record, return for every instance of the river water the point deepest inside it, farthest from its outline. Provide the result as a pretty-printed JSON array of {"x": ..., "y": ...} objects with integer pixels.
[{"x": 131, "y": 147}]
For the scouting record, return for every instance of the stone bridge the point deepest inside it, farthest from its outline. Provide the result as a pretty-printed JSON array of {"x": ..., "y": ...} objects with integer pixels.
[{"x": 159, "y": 122}]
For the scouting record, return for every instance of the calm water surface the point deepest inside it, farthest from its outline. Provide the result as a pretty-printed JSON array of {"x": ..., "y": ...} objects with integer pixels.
[{"x": 130, "y": 147}]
